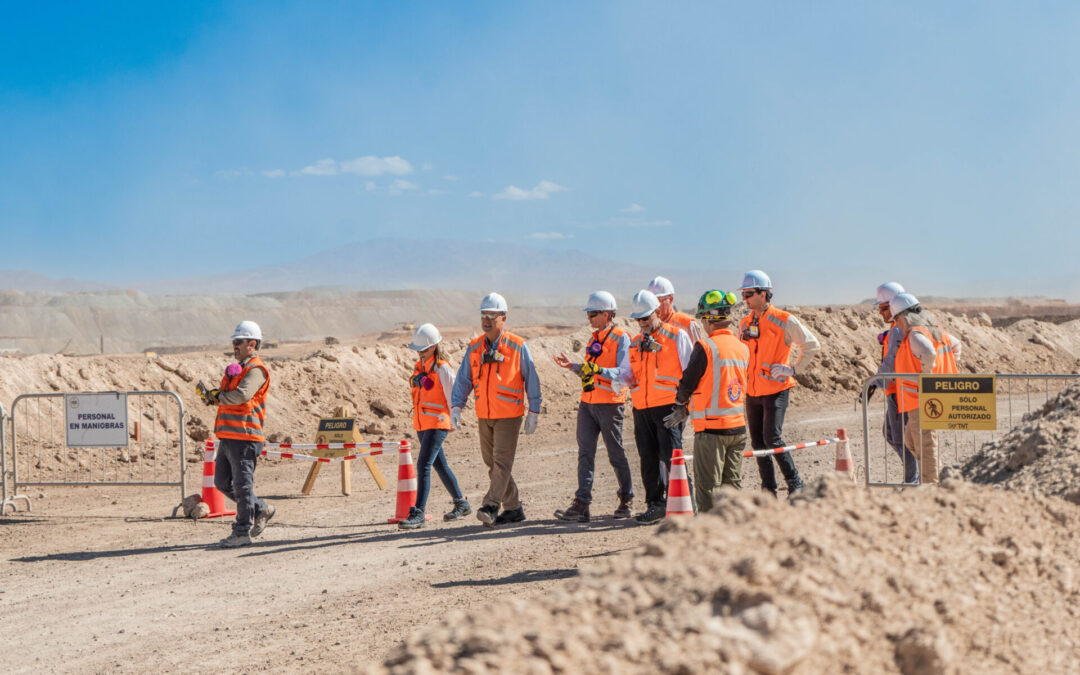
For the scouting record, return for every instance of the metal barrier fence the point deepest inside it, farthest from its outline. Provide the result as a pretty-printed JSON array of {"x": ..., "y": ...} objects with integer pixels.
[
  {"x": 148, "y": 450},
  {"x": 1016, "y": 396}
]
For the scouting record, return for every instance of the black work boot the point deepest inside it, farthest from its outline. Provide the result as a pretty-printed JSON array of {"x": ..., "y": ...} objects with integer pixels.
[
  {"x": 624, "y": 508},
  {"x": 488, "y": 514},
  {"x": 460, "y": 510},
  {"x": 511, "y": 516},
  {"x": 654, "y": 514},
  {"x": 577, "y": 513},
  {"x": 415, "y": 520}
]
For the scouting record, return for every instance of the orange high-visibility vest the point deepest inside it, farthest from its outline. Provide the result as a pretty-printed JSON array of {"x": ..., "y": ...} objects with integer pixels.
[
  {"x": 767, "y": 349},
  {"x": 430, "y": 409},
  {"x": 243, "y": 422},
  {"x": 717, "y": 403},
  {"x": 656, "y": 373},
  {"x": 682, "y": 321},
  {"x": 907, "y": 397},
  {"x": 603, "y": 391},
  {"x": 498, "y": 387}
]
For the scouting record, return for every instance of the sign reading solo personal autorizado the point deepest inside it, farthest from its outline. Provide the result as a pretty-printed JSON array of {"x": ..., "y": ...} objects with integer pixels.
[
  {"x": 961, "y": 402},
  {"x": 96, "y": 420}
]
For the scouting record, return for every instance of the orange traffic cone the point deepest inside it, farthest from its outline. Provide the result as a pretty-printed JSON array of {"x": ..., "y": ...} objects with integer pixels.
[
  {"x": 679, "y": 502},
  {"x": 406, "y": 487},
  {"x": 211, "y": 496},
  {"x": 845, "y": 465}
]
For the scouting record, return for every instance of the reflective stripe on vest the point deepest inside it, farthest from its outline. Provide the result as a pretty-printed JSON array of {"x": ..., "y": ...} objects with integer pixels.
[
  {"x": 498, "y": 388},
  {"x": 724, "y": 373},
  {"x": 429, "y": 405},
  {"x": 243, "y": 421}
]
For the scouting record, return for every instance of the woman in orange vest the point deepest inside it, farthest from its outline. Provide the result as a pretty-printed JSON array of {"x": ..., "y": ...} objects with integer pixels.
[
  {"x": 432, "y": 382},
  {"x": 241, "y": 414},
  {"x": 714, "y": 386},
  {"x": 604, "y": 373},
  {"x": 890, "y": 341},
  {"x": 926, "y": 348},
  {"x": 771, "y": 334}
]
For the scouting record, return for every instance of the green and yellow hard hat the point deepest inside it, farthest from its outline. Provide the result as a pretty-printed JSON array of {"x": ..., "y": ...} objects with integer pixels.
[{"x": 716, "y": 304}]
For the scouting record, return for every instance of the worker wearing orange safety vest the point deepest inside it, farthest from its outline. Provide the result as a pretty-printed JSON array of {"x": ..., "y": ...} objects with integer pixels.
[
  {"x": 772, "y": 335},
  {"x": 241, "y": 414},
  {"x": 926, "y": 348},
  {"x": 499, "y": 371},
  {"x": 658, "y": 355},
  {"x": 890, "y": 340},
  {"x": 432, "y": 384},
  {"x": 603, "y": 374},
  {"x": 664, "y": 291},
  {"x": 712, "y": 394}
]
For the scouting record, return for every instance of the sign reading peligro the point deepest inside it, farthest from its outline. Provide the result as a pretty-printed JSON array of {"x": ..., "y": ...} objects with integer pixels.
[
  {"x": 963, "y": 402},
  {"x": 96, "y": 420}
]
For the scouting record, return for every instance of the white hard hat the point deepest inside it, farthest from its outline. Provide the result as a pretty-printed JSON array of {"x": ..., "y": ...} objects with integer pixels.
[
  {"x": 902, "y": 302},
  {"x": 600, "y": 301},
  {"x": 755, "y": 279},
  {"x": 493, "y": 302},
  {"x": 425, "y": 336},
  {"x": 660, "y": 286},
  {"x": 247, "y": 330},
  {"x": 644, "y": 304},
  {"x": 887, "y": 291}
]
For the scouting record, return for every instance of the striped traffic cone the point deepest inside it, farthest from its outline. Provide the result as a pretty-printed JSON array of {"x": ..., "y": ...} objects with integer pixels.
[
  {"x": 211, "y": 496},
  {"x": 845, "y": 465},
  {"x": 406, "y": 486},
  {"x": 679, "y": 502}
]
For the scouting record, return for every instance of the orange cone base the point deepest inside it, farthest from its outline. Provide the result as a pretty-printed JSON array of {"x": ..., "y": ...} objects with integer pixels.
[{"x": 213, "y": 498}]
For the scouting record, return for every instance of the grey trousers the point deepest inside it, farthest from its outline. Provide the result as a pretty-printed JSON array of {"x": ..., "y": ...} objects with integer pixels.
[
  {"x": 594, "y": 420},
  {"x": 234, "y": 475}
]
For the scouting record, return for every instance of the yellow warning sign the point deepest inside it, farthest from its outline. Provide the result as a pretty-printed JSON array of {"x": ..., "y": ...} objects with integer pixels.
[
  {"x": 337, "y": 430},
  {"x": 962, "y": 402}
]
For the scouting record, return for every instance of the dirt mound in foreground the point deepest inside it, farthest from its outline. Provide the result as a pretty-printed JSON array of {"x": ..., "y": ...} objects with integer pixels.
[
  {"x": 1040, "y": 455},
  {"x": 923, "y": 581}
]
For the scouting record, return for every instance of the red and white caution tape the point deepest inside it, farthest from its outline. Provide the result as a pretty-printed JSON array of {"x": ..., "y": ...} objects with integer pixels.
[
  {"x": 377, "y": 448},
  {"x": 788, "y": 448}
]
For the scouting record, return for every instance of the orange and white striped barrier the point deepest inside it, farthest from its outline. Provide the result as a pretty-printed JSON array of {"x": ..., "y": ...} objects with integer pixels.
[
  {"x": 377, "y": 448},
  {"x": 406, "y": 487},
  {"x": 679, "y": 502},
  {"x": 845, "y": 465},
  {"x": 211, "y": 496},
  {"x": 789, "y": 448}
]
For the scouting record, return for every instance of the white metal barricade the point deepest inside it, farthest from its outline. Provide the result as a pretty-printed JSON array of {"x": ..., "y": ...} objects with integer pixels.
[
  {"x": 148, "y": 450},
  {"x": 1017, "y": 395},
  {"x": 6, "y": 500}
]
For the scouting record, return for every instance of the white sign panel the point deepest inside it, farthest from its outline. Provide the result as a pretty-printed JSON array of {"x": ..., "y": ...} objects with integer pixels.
[{"x": 96, "y": 420}]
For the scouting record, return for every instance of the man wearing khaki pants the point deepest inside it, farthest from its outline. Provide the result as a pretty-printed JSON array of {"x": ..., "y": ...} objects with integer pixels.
[{"x": 499, "y": 371}]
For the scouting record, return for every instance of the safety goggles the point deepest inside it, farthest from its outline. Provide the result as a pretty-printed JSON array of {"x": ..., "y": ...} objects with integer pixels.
[
  {"x": 716, "y": 297},
  {"x": 239, "y": 341},
  {"x": 491, "y": 316},
  {"x": 593, "y": 313}
]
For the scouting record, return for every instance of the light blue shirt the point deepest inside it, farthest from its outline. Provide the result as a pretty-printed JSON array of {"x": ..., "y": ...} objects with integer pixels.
[{"x": 463, "y": 385}]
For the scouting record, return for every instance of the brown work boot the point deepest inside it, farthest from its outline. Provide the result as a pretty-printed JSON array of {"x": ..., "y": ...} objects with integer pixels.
[
  {"x": 578, "y": 512},
  {"x": 624, "y": 507}
]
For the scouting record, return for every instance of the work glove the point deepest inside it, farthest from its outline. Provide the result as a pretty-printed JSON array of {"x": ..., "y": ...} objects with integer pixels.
[
  {"x": 781, "y": 370},
  {"x": 677, "y": 416},
  {"x": 208, "y": 396},
  {"x": 530, "y": 422},
  {"x": 869, "y": 395},
  {"x": 455, "y": 417}
]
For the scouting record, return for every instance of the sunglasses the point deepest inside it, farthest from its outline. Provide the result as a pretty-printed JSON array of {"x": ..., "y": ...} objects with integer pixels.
[
  {"x": 592, "y": 313},
  {"x": 750, "y": 294},
  {"x": 491, "y": 316},
  {"x": 645, "y": 319},
  {"x": 238, "y": 342}
]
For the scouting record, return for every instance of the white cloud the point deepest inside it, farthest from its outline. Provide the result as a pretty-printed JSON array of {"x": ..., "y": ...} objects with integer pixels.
[
  {"x": 377, "y": 166},
  {"x": 399, "y": 186},
  {"x": 229, "y": 174},
  {"x": 274, "y": 173},
  {"x": 451, "y": 177},
  {"x": 550, "y": 235},
  {"x": 633, "y": 208},
  {"x": 542, "y": 191},
  {"x": 323, "y": 167},
  {"x": 476, "y": 193},
  {"x": 369, "y": 185},
  {"x": 426, "y": 166},
  {"x": 436, "y": 191}
]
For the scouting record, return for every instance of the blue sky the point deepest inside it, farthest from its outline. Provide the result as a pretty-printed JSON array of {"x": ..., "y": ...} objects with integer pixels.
[{"x": 934, "y": 143}]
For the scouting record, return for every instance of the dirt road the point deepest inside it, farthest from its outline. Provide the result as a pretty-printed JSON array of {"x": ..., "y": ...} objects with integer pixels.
[{"x": 94, "y": 579}]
